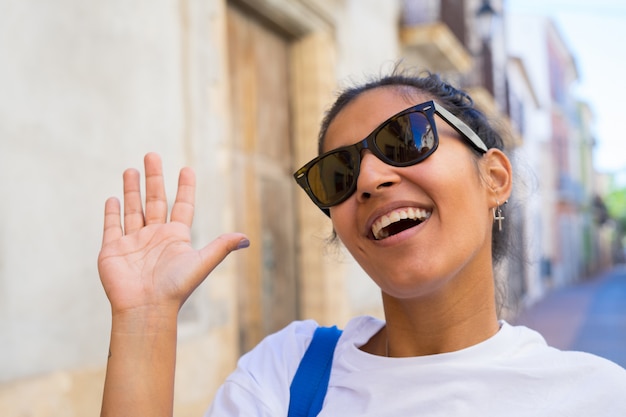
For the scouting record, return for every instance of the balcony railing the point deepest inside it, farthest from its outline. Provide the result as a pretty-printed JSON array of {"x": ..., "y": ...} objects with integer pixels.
[{"x": 429, "y": 43}]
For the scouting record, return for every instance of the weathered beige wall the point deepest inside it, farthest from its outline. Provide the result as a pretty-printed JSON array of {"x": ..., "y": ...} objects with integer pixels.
[
  {"x": 87, "y": 88},
  {"x": 367, "y": 38},
  {"x": 91, "y": 87}
]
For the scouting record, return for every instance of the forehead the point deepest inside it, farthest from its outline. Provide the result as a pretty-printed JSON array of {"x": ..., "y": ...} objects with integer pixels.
[{"x": 366, "y": 112}]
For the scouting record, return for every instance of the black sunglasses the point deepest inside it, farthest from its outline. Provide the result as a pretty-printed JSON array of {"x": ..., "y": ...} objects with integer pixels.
[{"x": 404, "y": 139}]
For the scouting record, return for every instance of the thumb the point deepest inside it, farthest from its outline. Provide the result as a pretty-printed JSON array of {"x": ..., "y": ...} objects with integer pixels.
[{"x": 215, "y": 252}]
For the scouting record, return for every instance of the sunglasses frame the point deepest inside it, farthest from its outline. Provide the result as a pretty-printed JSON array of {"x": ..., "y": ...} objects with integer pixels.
[{"x": 429, "y": 109}]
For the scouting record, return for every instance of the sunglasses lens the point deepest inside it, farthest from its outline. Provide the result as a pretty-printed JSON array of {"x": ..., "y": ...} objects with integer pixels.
[
  {"x": 332, "y": 177},
  {"x": 406, "y": 139}
]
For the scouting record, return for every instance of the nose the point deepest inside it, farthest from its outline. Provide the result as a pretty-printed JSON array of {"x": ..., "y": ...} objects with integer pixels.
[{"x": 375, "y": 177}]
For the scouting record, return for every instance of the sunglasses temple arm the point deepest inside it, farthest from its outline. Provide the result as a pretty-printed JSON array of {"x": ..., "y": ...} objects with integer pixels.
[{"x": 462, "y": 128}]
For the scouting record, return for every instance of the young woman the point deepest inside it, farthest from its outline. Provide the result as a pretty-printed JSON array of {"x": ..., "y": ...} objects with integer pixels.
[{"x": 414, "y": 180}]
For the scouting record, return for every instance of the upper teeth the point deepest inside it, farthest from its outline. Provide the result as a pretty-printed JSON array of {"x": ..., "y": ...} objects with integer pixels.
[{"x": 396, "y": 216}]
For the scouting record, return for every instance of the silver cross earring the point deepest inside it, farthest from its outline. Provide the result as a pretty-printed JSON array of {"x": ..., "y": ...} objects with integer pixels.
[{"x": 497, "y": 215}]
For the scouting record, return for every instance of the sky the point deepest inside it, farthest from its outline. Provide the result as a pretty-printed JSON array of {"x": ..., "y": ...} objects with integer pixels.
[{"x": 595, "y": 31}]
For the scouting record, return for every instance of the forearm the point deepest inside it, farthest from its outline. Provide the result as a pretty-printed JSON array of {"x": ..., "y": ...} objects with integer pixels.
[{"x": 140, "y": 370}]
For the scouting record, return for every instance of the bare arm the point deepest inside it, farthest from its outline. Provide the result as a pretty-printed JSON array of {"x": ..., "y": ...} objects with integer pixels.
[{"x": 148, "y": 269}]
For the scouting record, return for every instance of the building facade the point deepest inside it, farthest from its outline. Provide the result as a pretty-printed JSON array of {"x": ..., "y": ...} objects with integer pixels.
[{"x": 236, "y": 90}]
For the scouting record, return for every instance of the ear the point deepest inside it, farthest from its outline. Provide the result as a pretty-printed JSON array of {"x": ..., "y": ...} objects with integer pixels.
[{"x": 498, "y": 175}]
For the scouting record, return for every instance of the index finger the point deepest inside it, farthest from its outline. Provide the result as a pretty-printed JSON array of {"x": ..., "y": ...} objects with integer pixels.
[
  {"x": 184, "y": 205},
  {"x": 112, "y": 221}
]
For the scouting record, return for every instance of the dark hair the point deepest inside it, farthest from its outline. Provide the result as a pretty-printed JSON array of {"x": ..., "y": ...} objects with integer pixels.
[{"x": 454, "y": 100}]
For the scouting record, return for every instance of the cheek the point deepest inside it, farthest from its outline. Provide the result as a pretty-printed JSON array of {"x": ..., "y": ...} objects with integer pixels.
[
  {"x": 340, "y": 220},
  {"x": 457, "y": 171},
  {"x": 344, "y": 223},
  {"x": 456, "y": 188}
]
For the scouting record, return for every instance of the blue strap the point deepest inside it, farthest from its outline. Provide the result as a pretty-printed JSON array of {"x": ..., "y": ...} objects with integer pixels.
[{"x": 309, "y": 385}]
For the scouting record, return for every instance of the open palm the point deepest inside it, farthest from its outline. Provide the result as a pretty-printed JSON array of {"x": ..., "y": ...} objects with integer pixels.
[{"x": 149, "y": 262}]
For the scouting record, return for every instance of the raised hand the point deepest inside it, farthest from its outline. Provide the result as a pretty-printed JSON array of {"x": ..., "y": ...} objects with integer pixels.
[
  {"x": 149, "y": 262},
  {"x": 148, "y": 269}
]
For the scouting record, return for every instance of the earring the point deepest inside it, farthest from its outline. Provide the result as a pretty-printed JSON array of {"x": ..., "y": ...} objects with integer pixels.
[{"x": 497, "y": 215}]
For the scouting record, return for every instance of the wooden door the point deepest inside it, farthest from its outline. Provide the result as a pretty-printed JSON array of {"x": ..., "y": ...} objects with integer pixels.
[{"x": 262, "y": 153}]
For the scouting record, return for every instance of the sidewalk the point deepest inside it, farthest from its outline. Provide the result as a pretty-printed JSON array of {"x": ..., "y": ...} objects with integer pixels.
[{"x": 590, "y": 316}]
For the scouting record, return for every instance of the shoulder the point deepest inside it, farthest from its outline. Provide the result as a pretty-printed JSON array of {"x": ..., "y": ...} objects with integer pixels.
[
  {"x": 289, "y": 344},
  {"x": 280, "y": 351},
  {"x": 577, "y": 375},
  {"x": 260, "y": 383},
  {"x": 530, "y": 344},
  {"x": 589, "y": 382},
  {"x": 283, "y": 350}
]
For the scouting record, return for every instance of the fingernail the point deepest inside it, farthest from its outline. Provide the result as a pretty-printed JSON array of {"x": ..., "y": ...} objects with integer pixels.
[{"x": 243, "y": 243}]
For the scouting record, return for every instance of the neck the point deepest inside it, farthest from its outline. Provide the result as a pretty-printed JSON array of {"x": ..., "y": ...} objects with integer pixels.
[{"x": 445, "y": 321}]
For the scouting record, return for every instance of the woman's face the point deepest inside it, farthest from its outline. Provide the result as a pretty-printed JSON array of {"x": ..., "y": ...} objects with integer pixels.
[{"x": 445, "y": 191}]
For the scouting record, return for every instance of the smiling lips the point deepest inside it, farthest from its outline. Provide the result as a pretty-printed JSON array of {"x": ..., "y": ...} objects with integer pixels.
[{"x": 398, "y": 221}]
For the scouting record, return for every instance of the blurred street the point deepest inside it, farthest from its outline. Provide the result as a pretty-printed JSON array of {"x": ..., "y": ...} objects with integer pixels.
[{"x": 589, "y": 316}]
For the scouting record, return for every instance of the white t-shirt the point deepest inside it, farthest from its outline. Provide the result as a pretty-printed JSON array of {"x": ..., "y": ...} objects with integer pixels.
[{"x": 514, "y": 373}]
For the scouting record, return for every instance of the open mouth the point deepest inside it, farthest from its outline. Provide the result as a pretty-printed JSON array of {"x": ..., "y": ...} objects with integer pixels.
[{"x": 398, "y": 221}]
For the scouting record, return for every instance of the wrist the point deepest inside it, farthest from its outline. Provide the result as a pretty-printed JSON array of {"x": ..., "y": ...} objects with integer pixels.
[
  {"x": 145, "y": 320},
  {"x": 141, "y": 363}
]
